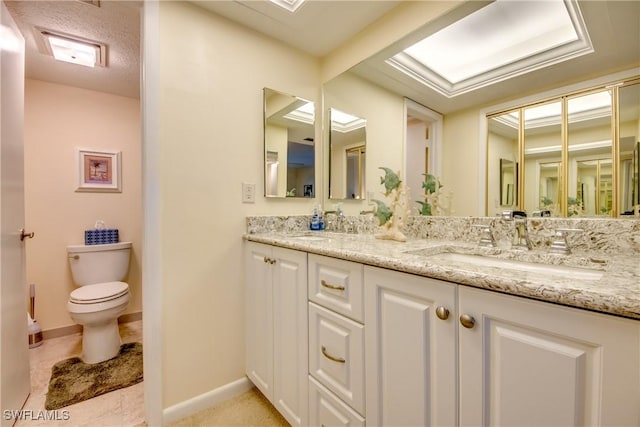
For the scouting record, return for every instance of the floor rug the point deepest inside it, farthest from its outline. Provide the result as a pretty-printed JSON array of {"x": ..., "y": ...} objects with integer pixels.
[{"x": 73, "y": 381}]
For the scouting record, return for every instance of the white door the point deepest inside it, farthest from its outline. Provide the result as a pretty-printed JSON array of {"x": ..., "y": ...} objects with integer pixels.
[{"x": 14, "y": 348}]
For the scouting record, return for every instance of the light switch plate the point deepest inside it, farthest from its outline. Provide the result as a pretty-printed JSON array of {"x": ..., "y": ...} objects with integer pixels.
[{"x": 248, "y": 193}]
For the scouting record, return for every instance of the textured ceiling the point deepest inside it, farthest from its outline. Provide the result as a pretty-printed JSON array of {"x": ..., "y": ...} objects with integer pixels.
[
  {"x": 114, "y": 23},
  {"x": 317, "y": 28}
]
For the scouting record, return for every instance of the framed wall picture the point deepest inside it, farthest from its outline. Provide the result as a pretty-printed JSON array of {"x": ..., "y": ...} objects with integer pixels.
[{"x": 98, "y": 171}]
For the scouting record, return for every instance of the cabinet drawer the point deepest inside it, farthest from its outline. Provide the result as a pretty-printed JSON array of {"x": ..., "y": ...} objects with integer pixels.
[
  {"x": 325, "y": 409},
  {"x": 336, "y": 357},
  {"x": 337, "y": 285}
]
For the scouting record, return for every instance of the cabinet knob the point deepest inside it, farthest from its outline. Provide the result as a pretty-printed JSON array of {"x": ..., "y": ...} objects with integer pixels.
[
  {"x": 442, "y": 313},
  {"x": 269, "y": 260},
  {"x": 467, "y": 321}
]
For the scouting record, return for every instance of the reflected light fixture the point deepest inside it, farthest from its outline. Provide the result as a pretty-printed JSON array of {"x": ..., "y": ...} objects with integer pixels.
[
  {"x": 305, "y": 113},
  {"x": 345, "y": 122}
]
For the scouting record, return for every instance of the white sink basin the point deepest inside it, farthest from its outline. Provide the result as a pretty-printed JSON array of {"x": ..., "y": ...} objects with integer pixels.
[{"x": 515, "y": 265}]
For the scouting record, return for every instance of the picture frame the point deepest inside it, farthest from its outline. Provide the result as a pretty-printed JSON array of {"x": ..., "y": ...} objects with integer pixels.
[{"x": 98, "y": 171}]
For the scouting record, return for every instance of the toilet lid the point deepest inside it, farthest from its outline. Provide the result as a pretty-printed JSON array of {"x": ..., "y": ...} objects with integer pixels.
[{"x": 99, "y": 292}]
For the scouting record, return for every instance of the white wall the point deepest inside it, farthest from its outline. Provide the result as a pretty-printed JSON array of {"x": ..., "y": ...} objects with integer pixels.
[
  {"x": 211, "y": 77},
  {"x": 58, "y": 119}
]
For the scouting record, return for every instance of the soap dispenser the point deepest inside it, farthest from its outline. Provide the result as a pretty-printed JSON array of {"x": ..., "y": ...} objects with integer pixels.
[{"x": 315, "y": 219}]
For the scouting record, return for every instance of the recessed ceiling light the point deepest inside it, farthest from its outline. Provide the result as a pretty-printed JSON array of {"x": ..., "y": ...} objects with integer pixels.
[
  {"x": 290, "y": 5},
  {"x": 75, "y": 50},
  {"x": 501, "y": 40}
]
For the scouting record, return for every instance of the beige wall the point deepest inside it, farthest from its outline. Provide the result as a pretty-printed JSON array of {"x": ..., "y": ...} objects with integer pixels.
[
  {"x": 57, "y": 120},
  {"x": 384, "y": 112},
  {"x": 212, "y": 73},
  {"x": 460, "y": 165}
]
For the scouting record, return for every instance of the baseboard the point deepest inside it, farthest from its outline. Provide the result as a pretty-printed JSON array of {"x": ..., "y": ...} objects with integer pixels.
[
  {"x": 205, "y": 400},
  {"x": 76, "y": 329}
]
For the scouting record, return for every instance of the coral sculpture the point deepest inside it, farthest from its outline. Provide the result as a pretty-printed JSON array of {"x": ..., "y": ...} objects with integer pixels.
[
  {"x": 436, "y": 202},
  {"x": 392, "y": 218}
]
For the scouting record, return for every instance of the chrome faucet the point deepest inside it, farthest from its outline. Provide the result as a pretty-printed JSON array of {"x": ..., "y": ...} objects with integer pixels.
[
  {"x": 337, "y": 212},
  {"x": 559, "y": 245},
  {"x": 486, "y": 236},
  {"x": 521, "y": 236}
]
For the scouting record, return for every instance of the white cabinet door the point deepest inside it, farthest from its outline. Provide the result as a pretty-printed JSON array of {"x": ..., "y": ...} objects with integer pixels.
[
  {"x": 290, "y": 335},
  {"x": 276, "y": 327},
  {"x": 531, "y": 363},
  {"x": 410, "y": 352},
  {"x": 259, "y": 317}
]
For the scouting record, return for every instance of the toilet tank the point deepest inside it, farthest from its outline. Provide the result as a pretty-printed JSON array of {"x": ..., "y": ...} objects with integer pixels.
[{"x": 92, "y": 264}]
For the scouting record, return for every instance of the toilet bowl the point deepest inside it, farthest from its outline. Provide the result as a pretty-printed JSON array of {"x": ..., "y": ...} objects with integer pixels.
[{"x": 100, "y": 298}]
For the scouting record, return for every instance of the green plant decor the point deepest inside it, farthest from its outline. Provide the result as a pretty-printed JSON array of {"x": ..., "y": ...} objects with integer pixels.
[
  {"x": 574, "y": 206},
  {"x": 436, "y": 202}
]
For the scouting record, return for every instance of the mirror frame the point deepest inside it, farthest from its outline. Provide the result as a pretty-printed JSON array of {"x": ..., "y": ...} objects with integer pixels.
[{"x": 564, "y": 174}]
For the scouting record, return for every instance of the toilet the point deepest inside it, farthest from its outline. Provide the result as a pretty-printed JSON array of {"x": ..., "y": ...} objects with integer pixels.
[{"x": 101, "y": 297}]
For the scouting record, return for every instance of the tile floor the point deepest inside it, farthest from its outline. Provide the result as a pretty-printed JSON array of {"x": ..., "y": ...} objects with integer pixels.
[{"x": 124, "y": 407}]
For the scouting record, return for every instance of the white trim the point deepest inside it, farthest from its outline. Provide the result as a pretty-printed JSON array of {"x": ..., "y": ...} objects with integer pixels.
[
  {"x": 435, "y": 156},
  {"x": 151, "y": 216},
  {"x": 206, "y": 400}
]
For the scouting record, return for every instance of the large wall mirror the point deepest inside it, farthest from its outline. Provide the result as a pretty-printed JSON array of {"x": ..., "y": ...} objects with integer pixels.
[
  {"x": 577, "y": 160},
  {"x": 347, "y": 162},
  {"x": 289, "y": 151}
]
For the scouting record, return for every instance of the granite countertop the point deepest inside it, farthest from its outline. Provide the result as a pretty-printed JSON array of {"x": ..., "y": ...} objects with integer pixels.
[{"x": 603, "y": 283}]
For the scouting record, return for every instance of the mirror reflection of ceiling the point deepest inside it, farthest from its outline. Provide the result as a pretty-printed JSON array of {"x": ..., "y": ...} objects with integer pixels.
[{"x": 297, "y": 115}]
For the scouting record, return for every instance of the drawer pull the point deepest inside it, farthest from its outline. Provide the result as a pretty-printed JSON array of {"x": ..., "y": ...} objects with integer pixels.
[
  {"x": 328, "y": 286},
  {"x": 330, "y": 357}
]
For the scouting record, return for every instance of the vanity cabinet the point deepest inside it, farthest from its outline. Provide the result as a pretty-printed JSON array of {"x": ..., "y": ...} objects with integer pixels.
[
  {"x": 534, "y": 363},
  {"x": 385, "y": 348},
  {"x": 410, "y": 342},
  {"x": 336, "y": 342},
  {"x": 276, "y": 327},
  {"x": 494, "y": 360}
]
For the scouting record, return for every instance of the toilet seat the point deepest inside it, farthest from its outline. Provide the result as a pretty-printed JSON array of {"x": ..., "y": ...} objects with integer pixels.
[{"x": 99, "y": 292}]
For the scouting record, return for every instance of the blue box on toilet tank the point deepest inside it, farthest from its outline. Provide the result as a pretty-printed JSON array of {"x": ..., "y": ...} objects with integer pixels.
[{"x": 101, "y": 236}]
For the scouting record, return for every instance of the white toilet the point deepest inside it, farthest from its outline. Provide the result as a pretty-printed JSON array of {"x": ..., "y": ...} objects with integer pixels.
[{"x": 101, "y": 296}]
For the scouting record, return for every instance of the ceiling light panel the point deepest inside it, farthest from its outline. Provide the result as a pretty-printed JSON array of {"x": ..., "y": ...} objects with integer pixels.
[
  {"x": 502, "y": 40},
  {"x": 75, "y": 50}
]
